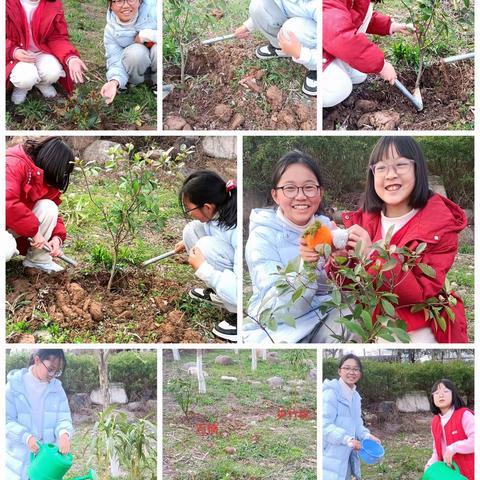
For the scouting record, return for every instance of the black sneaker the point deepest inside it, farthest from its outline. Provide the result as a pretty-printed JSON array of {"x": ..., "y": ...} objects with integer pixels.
[
  {"x": 205, "y": 295},
  {"x": 309, "y": 86},
  {"x": 227, "y": 329},
  {"x": 269, "y": 51}
]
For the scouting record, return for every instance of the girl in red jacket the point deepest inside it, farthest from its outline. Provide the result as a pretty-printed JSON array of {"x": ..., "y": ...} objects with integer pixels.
[
  {"x": 36, "y": 173},
  {"x": 348, "y": 54},
  {"x": 397, "y": 196},
  {"x": 39, "y": 52},
  {"x": 453, "y": 429}
]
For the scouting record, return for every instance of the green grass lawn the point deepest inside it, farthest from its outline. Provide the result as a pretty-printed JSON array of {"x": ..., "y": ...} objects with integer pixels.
[
  {"x": 246, "y": 412},
  {"x": 136, "y": 108}
]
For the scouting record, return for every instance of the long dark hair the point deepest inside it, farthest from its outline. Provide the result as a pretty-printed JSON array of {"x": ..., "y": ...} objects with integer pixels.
[
  {"x": 292, "y": 158},
  {"x": 406, "y": 147},
  {"x": 49, "y": 354},
  {"x": 205, "y": 186},
  {"x": 457, "y": 401},
  {"x": 54, "y": 157},
  {"x": 350, "y": 356}
]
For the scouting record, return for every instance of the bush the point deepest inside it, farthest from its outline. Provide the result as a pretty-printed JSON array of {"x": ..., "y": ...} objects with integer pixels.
[
  {"x": 388, "y": 381},
  {"x": 136, "y": 370}
]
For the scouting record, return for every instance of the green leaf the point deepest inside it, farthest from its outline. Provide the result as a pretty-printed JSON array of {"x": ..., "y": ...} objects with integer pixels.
[
  {"x": 298, "y": 293},
  {"x": 340, "y": 260},
  {"x": 367, "y": 319},
  {"x": 401, "y": 334},
  {"x": 327, "y": 250},
  {"x": 354, "y": 328},
  {"x": 450, "y": 313},
  {"x": 386, "y": 335},
  {"x": 417, "y": 308},
  {"x": 427, "y": 270},
  {"x": 391, "y": 264},
  {"x": 336, "y": 297},
  {"x": 288, "y": 319},
  {"x": 388, "y": 308},
  {"x": 420, "y": 248}
]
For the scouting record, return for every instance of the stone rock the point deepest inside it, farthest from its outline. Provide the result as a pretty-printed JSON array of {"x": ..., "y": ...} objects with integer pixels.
[
  {"x": 223, "y": 112},
  {"x": 96, "y": 311},
  {"x": 230, "y": 450},
  {"x": 413, "y": 402},
  {"x": 152, "y": 405},
  {"x": 194, "y": 371},
  {"x": 308, "y": 362},
  {"x": 174, "y": 122},
  {"x": 79, "y": 418},
  {"x": 435, "y": 184},
  {"x": 312, "y": 375},
  {"x": 387, "y": 407},
  {"x": 43, "y": 336},
  {"x": 381, "y": 120},
  {"x": 220, "y": 147},
  {"x": 296, "y": 383},
  {"x": 79, "y": 144},
  {"x": 188, "y": 365},
  {"x": 223, "y": 360},
  {"x": 79, "y": 401},
  {"x": 275, "y": 382},
  {"x": 26, "y": 338},
  {"x": 229, "y": 379},
  {"x": 135, "y": 406},
  {"x": 98, "y": 151},
  {"x": 238, "y": 120},
  {"x": 117, "y": 394},
  {"x": 366, "y": 105}
]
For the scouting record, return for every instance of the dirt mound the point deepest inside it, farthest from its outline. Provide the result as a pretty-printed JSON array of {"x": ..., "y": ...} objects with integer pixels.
[
  {"x": 133, "y": 309},
  {"x": 447, "y": 92},
  {"x": 225, "y": 91}
]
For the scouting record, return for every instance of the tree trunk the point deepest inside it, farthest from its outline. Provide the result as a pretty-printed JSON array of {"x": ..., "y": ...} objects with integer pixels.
[
  {"x": 102, "y": 355},
  {"x": 254, "y": 359},
  {"x": 112, "y": 271},
  {"x": 264, "y": 355},
  {"x": 176, "y": 355},
  {"x": 202, "y": 388}
]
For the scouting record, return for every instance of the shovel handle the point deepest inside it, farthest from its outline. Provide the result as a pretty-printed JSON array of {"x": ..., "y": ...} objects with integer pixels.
[
  {"x": 157, "y": 259},
  {"x": 218, "y": 39},
  {"x": 66, "y": 259},
  {"x": 417, "y": 104},
  {"x": 456, "y": 58}
]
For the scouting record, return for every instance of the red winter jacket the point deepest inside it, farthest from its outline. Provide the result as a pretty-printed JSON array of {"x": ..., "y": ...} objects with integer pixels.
[
  {"x": 25, "y": 186},
  {"x": 341, "y": 20},
  {"x": 438, "y": 225},
  {"x": 50, "y": 34},
  {"x": 454, "y": 432}
]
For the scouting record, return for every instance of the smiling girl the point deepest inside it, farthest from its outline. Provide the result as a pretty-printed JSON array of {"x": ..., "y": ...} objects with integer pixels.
[
  {"x": 453, "y": 429},
  {"x": 275, "y": 239},
  {"x": 37, "y": 410},
  {"x": 343, "y": 428},
  {"x": 397, "y": 196}
]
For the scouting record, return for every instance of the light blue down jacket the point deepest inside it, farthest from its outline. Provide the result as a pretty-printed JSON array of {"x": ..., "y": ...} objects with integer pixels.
[
  {"x": 117, "y": 37},
  {"x": 341, "y": 422},
  {"x": 273, "y": 243},
  {"x": 20, "y": 425}
]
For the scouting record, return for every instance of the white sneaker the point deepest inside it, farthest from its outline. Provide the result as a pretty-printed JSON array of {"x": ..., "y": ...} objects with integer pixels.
[
  {"x": 48, "y": 90},
  {"x": 50, "y": 267},
  {"x": 19, "y": 95},
  {"x": 266, "y": 52}
]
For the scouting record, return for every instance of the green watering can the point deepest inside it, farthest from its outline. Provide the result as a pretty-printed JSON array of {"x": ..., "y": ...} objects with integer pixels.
[
  {"x": 50, "y": 464},
  {"x": 441, "y": 471}
]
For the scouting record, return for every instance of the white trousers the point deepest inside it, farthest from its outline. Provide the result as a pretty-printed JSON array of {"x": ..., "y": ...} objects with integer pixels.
[
  {"x": 137, "y": 59},
  {"x": 337, "y": 82},
  {"x": 45, "y": 71}
]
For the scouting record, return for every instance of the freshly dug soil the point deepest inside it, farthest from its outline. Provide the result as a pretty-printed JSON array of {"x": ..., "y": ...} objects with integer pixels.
[
  {"x": 216, "y": 97},
  {"x": 80, "y": 303},
  {"x": 447, "y": 91}
]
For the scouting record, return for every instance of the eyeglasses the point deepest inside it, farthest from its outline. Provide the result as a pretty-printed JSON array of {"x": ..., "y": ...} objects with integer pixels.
[
  {"x": 400, "y": 167},
  {"x": 52, "y": 372},
  {"x": 118, "y": 3},
  {"x": 291, "y": 191},
  {"x": 350, "y": 370},
  {"x": 186, "y": 212}
]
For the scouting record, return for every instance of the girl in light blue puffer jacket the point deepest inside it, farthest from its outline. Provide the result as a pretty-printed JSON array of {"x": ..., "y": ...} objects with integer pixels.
[
  {"x": 276, "y": 239},
  {"x": 130, "y": 39},
  {"x": 37, "y": 411}
]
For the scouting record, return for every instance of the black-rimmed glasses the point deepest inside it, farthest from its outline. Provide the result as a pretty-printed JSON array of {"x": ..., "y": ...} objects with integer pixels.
[
  {"x": 52, "y": 372},
  {"x": 291, "y": 191}
]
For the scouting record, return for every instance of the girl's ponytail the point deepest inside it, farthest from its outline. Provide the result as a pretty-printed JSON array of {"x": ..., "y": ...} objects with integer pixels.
[{"x": 206, "y": 186}]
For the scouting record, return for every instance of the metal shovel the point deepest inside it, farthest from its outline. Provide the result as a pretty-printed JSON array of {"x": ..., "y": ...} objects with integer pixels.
[
  {"x": 415, "y": 99},
  {"x": 160, "y": 257},
  {"x": 66, "y": 259},
  {"x": 218, "y": 39},
  {"x": 166, "y": 90},
  {"x": 456, "y": 58}
]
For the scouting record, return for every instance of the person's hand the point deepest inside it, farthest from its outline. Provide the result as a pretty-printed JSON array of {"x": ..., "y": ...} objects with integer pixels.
[
  {"x": 405, "y": 28},
  {"x": 76, "y": 68},
  {"x": 356, "y": 445},
  {"x": 375, "y": 439},
  {"x": 64, "y": 443},
  {"x": 448, "y": 456},
  {"x": 55, "y": 246},
  {"x": 195, "y": 258},
  {"x": 25, "y": 55},
  {"x": 358, "y": 234},
  {"x": 109, "y": 90},
  {"x": 289, "y": 43},
  {"x": 32, "y": 444},
  {"x": 38, "y": 241},
  {"x": 147, "y": 35},
  {"x": 388, "y": 73},
  {"x": 308, "y": 254},
  {"x": 242, "y": 32},
  {"x": 179, "y": 247}
]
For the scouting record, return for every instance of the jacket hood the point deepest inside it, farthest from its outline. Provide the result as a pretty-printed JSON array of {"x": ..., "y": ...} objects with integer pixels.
[
  {"x": 19, "y": 154},
  {"x": 331, "y": 385},
  {"x": 15, "y": 379}
]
